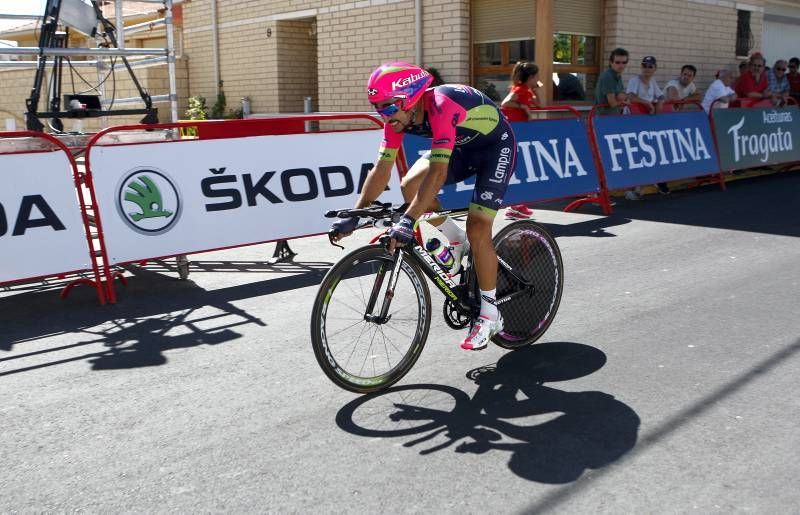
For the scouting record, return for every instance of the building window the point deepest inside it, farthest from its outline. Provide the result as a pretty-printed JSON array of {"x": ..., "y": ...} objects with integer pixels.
[
  {"x": 576, "y": 65},
  {"x": 744, "y": 36},
  {"x": 494, "y": 62}
]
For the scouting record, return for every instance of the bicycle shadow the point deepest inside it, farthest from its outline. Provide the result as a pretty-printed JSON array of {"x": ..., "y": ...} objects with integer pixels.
[{"x": 553, "y": 436}]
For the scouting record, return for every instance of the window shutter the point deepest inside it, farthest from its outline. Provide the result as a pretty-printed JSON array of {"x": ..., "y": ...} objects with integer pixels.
[
  {"x": 582, "y": 17},
  {"x": 503, "y": 20}
]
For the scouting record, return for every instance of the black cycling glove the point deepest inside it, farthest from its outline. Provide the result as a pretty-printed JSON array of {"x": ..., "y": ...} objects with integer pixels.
[{"x": 344, "y": 226}]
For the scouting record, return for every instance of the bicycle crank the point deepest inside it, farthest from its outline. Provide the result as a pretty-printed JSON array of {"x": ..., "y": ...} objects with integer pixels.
[{"x": 454, "y": 317}]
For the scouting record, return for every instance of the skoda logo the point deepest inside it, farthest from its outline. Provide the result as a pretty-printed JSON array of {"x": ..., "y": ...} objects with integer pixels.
[{"x": 148, "y": 201}]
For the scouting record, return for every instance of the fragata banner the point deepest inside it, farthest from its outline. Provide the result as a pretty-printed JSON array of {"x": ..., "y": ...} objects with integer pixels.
[
  {"x": 749, "y": 138},
  {"x": 41, "y": 229},
  {"x": 163, "y": 199},
  {"x": 641, "y": 149},
  {"x": 554, "y": 160}
]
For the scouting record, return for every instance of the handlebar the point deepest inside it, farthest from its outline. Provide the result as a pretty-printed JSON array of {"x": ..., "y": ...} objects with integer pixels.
[
  {"x": 382, "y": 214},
  {"x": 376, "y": 211}
]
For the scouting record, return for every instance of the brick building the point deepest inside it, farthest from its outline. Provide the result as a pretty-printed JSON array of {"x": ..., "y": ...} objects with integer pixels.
[{"x": 277, "y": 51}]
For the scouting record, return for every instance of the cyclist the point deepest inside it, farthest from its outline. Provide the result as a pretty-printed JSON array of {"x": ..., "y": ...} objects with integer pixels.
[{"x": 469, "y": 137}]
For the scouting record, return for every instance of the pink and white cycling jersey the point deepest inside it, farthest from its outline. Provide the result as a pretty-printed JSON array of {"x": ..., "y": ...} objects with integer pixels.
[{"x": 455, "y": 116}]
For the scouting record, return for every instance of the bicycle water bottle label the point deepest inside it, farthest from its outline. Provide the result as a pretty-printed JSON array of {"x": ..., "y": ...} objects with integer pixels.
[{"x": 441, "y": 252}]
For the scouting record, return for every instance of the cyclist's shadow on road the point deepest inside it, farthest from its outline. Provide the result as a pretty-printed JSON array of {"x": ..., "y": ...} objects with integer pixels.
[{"x": 552, "y": 436}]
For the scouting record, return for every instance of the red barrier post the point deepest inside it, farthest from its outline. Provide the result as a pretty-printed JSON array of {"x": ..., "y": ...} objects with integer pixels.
[
  {"x": 78, "y": 181},
  {"x": 603, "y": 199}
]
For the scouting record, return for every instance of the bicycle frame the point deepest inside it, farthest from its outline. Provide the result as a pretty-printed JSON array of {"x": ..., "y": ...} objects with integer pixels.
[{"x": 458, "y": 294}]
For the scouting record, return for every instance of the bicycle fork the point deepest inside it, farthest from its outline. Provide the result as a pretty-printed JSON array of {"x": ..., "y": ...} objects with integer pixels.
[{"x": 384, "y": 316}]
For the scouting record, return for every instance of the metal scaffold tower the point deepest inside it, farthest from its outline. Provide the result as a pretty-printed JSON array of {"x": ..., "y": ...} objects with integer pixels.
[{"x": 86, "y": 17}]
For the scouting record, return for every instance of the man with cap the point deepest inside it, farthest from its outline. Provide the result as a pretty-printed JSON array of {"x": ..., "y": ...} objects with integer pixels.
[
  {"x": 645, "y": 97},
  {"x": 643, "y": 88}
]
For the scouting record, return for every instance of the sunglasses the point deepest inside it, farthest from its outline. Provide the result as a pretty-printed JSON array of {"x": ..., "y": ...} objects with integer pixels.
[
  {"x": 387, "y": 110},
  {"x": 648, "y": 66},
  {"x": 780, "y": 69}
]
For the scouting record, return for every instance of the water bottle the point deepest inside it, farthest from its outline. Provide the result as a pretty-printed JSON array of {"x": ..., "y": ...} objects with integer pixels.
[{"x": 441, "y": 253}]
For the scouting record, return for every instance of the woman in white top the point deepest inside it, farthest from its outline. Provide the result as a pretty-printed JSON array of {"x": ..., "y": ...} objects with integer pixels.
[{"x": 721, "y": 89}]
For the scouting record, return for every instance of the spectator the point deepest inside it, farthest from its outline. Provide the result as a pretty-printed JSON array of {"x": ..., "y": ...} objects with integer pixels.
[
  {"x": 522, "y": 98},
  {"x": 754, "y": 83},
  {"x": 720, "y": 90},
  {"x": 794, "y": 78},
  {"x": 744, "y": 67},
  {"x": 517, "y": 107},
  {"x": 778, "y": 83},
  {"x": 644, "y": 93},
  {"x": 643, "y": 88},
  {"x": 610, "y": 90},
  {"x": 683, "y": 88},
  {"x": 570, "y": 88}
]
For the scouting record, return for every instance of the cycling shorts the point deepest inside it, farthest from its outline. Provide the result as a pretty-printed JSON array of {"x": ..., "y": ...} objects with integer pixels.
[{"x": 492, "y": 165}]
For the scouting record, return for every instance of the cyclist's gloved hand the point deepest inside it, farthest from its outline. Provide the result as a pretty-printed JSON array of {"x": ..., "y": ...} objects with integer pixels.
[
  {"x": 403, "y": 231},
  {"x": 343, "y": 226}
]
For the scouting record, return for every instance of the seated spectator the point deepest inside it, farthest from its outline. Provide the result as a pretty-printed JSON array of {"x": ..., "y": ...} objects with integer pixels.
[
  {"x": 570, "y": 88},
  {"x": 521, "y": 98},
  {"x": 610, "y": 90},
  {"x": 744, "y": 67},
  {"x": 683, "y": 88},
  {"x": 754, "y": 83},
  {"x": 517, "y": 106},
  {"x": 778, "y": 83},
  {"x": 644, "y": 94},
  {"x": 794, "y": 78},
  {"x": 720, "y": 90},
  {"x": 643, "y": 89}
]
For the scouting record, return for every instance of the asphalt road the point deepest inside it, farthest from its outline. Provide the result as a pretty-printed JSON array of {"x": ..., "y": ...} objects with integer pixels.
[{"x": 667, "y": 383}]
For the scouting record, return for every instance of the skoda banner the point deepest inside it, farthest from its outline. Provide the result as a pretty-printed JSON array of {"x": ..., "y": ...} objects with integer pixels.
[
  {"x": 642, "y": 149},
  {"x": 554, "y": 160},
  {"x": 749, "y": 138},
  {"x": 41, "y": 229},
  {"x": 163, "y": 199}
]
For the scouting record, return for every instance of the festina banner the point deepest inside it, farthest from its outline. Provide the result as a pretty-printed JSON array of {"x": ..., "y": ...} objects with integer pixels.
[
  {"x": 41, "y": 229},
  {"x": 641, "y": 149},
  {"x": 749, "y": 138},
  {"x": 164, "y": 199},
  {"x": 553, "y": 160}
]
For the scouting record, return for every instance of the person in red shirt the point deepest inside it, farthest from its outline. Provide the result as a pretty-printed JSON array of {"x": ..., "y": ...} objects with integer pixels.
[
  {"x": 517, "y": 108},
  {"x": 522, "y": 98},
  {"x": 754, "y": 83},
  {"x": 794, "y": 78}
]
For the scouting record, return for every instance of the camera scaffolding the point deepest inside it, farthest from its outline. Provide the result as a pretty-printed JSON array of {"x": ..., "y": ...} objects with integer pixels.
[{"x": 86, "y": 17}]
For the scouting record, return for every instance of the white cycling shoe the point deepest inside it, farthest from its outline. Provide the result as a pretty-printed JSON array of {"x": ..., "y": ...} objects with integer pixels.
[
  {"x": 459, "y": 251},
  {"x": 482, "y": 331}
]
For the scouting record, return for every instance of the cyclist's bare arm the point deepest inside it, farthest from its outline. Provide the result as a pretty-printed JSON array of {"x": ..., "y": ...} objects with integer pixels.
[
  {"x": 375, "y": 183},
  {"x": 428, "y": 189}
]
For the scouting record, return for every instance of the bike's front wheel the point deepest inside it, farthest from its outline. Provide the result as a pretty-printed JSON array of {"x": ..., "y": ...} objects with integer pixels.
[
  {"x": 534, "y": 257},
  {"x": 355, "y": 350}
]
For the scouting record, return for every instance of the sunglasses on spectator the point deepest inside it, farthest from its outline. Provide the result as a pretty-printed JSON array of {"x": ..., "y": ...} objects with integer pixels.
[
  {"x": 780, "y": 69},
  {"x": 387, "y": 110},
  {"x": 648, "y": 66}
]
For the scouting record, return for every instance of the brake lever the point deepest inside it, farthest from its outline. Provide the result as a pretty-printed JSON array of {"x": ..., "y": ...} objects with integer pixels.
[{"x": 331, "y": 235}]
